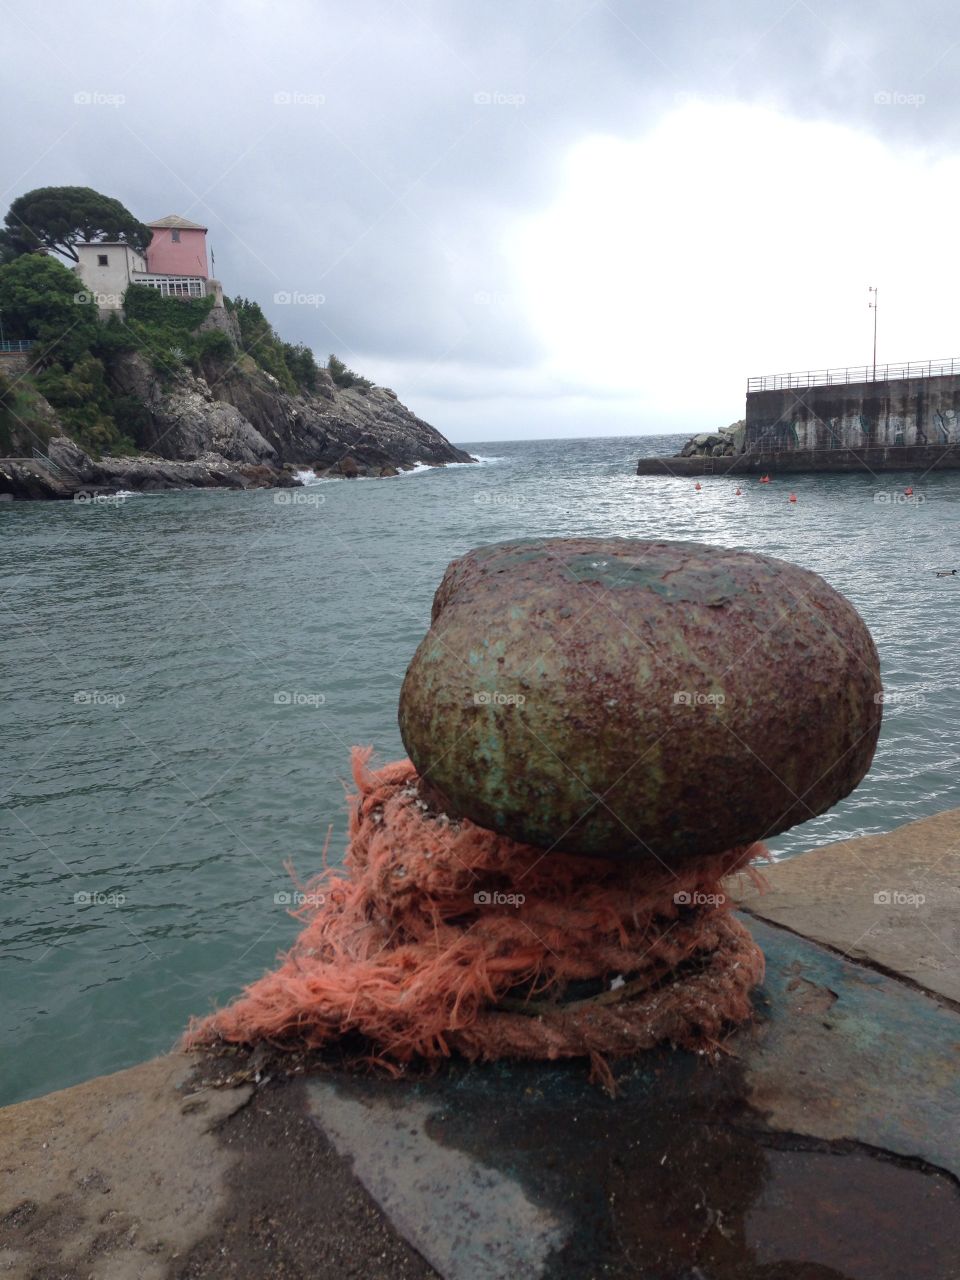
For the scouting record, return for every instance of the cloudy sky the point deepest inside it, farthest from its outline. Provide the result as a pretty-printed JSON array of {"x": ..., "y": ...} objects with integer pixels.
[{"x": 529, "y": 217}]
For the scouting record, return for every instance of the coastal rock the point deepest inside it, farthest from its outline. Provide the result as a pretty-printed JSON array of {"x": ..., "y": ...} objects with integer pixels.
[
  {"x": 651, "y": 699},
  {"x": 240, "y": 412},
  {"x": 231, "y": 426},
  {"x": 188, "y": 421},
  {"x": 26, "y": 480},
  {"x": 72, "y": 473},
  {"x": 368, "y": 424},
  {"x": 67, "y": 456},
  {"x": 716, "y": 444}
]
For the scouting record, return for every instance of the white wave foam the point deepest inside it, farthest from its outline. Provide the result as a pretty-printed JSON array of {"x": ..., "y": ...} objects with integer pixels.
[{"x": 307, "y": 477}]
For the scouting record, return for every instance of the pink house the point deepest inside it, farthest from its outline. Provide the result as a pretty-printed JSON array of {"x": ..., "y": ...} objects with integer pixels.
[{"x": 178, "y": 248}]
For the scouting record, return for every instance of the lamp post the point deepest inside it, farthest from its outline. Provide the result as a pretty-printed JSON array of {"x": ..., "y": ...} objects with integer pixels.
[{"x": 873, "y": 307}]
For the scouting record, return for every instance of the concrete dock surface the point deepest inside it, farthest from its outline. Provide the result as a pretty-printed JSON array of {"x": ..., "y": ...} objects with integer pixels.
[{"x": 825, "y": 1145}]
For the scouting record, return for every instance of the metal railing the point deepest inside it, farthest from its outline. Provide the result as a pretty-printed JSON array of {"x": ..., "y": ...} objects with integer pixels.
[
  {"x": 16, "y": 344},
  {"x": 854, "y": 373},
  {"x": 47, "y": 461}
]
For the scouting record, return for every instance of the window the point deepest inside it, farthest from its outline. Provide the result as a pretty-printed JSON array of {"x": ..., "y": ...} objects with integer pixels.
[
  {"x": 101, "y": 259},
  {"x": 175, "y": 236}
]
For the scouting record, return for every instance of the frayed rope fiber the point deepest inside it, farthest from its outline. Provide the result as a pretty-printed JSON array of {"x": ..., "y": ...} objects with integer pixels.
[{"x": 439, "y": 936}]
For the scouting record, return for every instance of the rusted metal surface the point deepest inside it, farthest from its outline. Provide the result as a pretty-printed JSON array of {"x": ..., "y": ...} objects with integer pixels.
[{"x": 661, "y": 699}]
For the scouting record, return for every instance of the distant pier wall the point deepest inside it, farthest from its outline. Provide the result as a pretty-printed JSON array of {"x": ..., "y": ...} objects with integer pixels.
[
  {"x": 913, "y": 458},
  {"x": 897, "y": 413}
]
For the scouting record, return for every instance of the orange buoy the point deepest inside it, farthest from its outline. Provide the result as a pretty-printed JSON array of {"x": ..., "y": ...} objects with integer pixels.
[
  {"x": 738, "y": 493},
  {"x": 792, "y": 498},
  {"x": 698, "y": 485}
]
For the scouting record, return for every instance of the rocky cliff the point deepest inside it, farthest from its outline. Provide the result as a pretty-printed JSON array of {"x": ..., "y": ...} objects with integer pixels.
[{"x": 230, "y": 425}]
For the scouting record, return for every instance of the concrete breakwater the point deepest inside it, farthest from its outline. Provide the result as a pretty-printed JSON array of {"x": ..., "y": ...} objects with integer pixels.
[
  {"x": 759, "y": 461},
  {"x": 818, "y": 1145},
  {"x": 834, "y": 420},
  {"x": 883, "y": 413}
]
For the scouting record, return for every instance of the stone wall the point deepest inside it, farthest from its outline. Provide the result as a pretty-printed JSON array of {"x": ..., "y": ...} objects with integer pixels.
[
  {"x": 16, "y": 362},
  {"x": 224, "y": 320},
  {"x": 901, "y": 412}
]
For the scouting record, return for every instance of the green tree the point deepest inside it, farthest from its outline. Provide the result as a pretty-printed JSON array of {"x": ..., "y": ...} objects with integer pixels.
[
  {"x": 42, "y": 299},
  {"x": 83, "y": 403},
  {"x": 300, "y": 361},
  {"x": 58, "y": 218}
]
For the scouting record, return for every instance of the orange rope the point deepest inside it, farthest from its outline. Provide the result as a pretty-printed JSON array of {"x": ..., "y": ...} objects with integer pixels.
[{"x": 439, "y": 936}]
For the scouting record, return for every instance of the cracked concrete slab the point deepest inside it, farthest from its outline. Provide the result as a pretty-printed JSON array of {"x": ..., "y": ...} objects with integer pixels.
[
  {"x": 891, "y": 900},
  {"x": 844, "y": 1053},
  {"x": 467, "y": 1218}
]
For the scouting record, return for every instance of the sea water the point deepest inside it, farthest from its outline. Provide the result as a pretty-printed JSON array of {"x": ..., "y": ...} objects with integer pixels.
[{"x": 185, "y": 674}]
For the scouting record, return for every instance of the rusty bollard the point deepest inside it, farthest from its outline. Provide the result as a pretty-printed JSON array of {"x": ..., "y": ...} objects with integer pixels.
[{"x": 645, "y": 699}]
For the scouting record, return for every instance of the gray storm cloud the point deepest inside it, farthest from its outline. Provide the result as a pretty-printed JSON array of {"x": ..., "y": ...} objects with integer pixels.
[{"x": 378, "y": 153}]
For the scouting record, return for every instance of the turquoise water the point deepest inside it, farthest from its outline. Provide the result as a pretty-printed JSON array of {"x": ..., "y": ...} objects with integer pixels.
[{"x": 184, "y": 675}]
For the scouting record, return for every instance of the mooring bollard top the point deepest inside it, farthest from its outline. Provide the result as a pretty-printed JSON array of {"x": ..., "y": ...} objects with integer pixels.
[{"x": 650, "y": 699}]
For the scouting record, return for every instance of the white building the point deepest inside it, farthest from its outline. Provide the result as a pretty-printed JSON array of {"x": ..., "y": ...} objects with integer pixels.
[{"x": 106, "y": 268}]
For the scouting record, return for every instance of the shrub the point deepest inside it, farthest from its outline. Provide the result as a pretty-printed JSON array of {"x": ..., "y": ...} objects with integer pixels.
[
  {"x": 179, "y": 316},
  {"x": 214, "y": 345},
  {"x": 344, "y": 377},
  {"x": 83, "y": 402}
]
